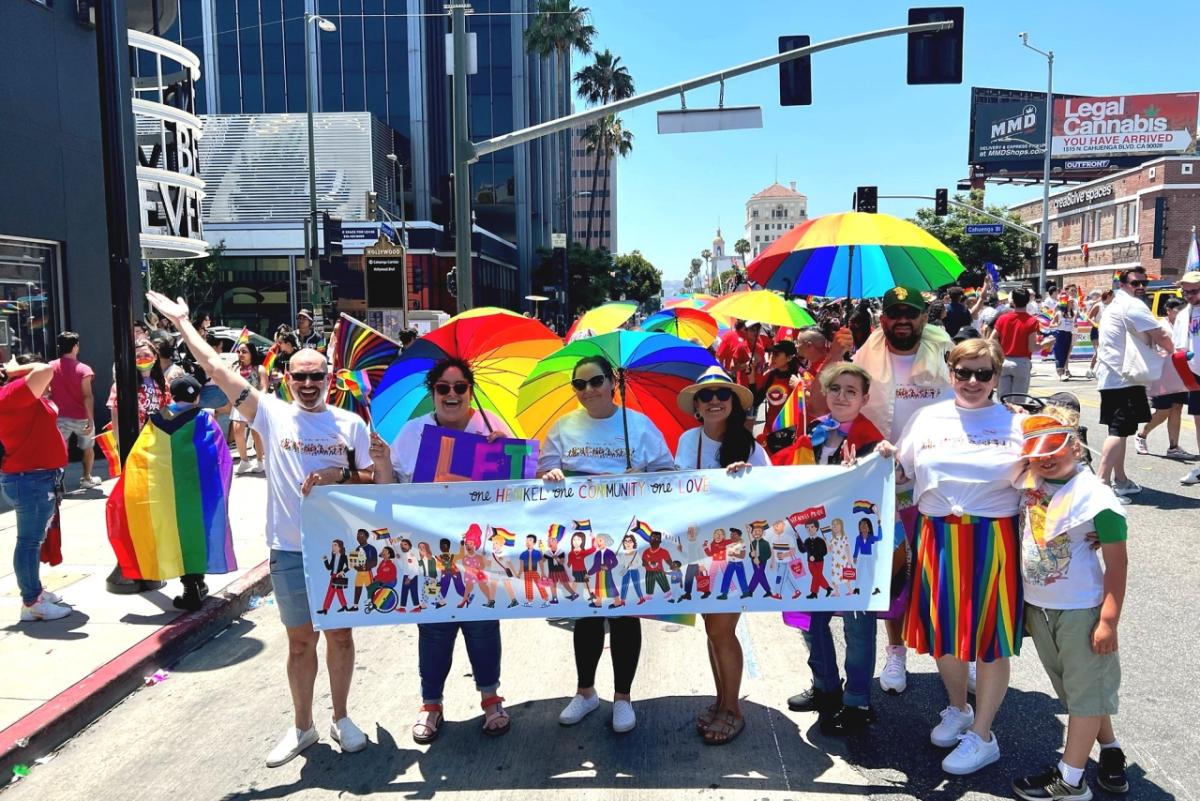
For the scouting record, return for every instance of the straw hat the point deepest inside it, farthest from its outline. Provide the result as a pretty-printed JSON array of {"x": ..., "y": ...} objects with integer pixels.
[
  {"x": 714, "y": 378},
  {"x": 1044, "y": 435}
]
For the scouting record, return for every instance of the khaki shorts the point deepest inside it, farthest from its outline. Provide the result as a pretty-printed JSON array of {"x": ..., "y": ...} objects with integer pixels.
[
  {"x": 1085, "y": 682},
  {"x": 68, "y": 426}
]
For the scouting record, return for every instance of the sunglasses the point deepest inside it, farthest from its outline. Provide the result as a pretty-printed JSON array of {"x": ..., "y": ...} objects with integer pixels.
[
  {"x": 316, "y": 378},
  {"x": 595, "y": 382},
  {"x": 1190, "y": 292},
  {"x": 902, "y": 313},
  {"x": 443, "y": 388},
  {"x": 723, "y": 394},
  {"x": 1137, "y": 283},
  {"x": 982, "y": 375}
]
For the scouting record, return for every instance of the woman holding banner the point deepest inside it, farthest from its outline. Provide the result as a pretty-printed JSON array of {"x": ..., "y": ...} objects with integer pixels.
[
  {"x": 451, "y": 383},
  {"x": 717, "y": 443},
  {"x": 602, "y": 439},
  {"x": 966, "y": 601}
]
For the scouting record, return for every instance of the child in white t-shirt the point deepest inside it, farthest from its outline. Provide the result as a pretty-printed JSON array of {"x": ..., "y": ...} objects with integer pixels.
[{"x": 1072, "y": 602}]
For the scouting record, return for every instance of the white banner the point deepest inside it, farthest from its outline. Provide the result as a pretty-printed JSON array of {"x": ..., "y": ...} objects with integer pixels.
[{"x": 654, "y": 544}]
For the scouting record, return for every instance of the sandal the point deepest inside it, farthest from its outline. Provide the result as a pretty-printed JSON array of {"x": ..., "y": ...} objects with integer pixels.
[
  {"x": 724, "y": 729},
  {"x": 495, "y": 703},
  {"x": 706, "y": 718},
  {"x": 425, "y": 732}
]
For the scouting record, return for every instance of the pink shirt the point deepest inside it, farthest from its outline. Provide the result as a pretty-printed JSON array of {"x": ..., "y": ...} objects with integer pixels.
[{"x": 66, "y": 387}]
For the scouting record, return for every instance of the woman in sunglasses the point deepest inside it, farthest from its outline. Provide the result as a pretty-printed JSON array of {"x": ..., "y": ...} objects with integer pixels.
[
  {"x": 966, "y": 603},
  {"x": 592, "y": 440},
  {"x": 451, "y": 383},
  {"x": 721, "y": 440}
]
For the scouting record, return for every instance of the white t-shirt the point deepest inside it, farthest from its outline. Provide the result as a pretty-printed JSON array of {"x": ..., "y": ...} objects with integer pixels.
[
  {"x": 299, "y": 442},
  {"x": 1066, "y": 321},
  {"x": 987, "y": 315},
  {"x": 909, "y": 397},
  {"x": 685, "y": 452},
  {"x": 1126, "y": 314},
  {"x": 408, "y": 442},
  {"x": 964, "y": 461},
  {"x": 579, "y": 444},
  {"x": 1186, "y": 334}
]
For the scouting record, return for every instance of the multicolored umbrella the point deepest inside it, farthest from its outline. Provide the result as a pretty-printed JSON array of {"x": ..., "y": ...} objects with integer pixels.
[
  {"x": 483, "y": 311},
  {"x": 501, "y": 348},
  {"x": 685, "y": 323},
  {"x": 651, "y": 368},
  {"x": 763, "y": 306},
  {"x": 604, "y": 318},
  {"x": 359, "y": 356},
  {"x": 855, "y": 255},
  {"x": 694, "y": 300}
]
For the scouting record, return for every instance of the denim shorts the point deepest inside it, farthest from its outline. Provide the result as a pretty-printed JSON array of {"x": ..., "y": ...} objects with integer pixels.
[
  {"x": 287, "y": 581},
  {"x": 212, "y": 397}
]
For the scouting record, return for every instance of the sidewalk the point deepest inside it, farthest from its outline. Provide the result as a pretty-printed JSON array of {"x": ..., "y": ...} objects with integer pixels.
[{"x": 72, "y": 670}]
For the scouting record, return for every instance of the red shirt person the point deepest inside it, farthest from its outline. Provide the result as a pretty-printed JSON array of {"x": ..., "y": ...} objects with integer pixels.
[
  {"x": 71, "y": 389},
  {"x": 1017, "y": 332}
]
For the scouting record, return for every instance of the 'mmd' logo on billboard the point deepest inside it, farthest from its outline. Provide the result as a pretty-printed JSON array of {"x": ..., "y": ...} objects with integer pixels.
[{"x": 1025, "y": 122}]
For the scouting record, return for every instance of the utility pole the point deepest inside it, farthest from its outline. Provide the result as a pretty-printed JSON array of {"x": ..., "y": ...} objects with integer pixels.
[
  {"x": 312, "y": 260},
  {"x": 1045, "y": 238},
  {"x": 463, "y": 227}
]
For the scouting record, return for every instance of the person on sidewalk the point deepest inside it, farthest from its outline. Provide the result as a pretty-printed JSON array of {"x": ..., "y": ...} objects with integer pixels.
[
  {"x": 1123, "y": 403},
  {"x": 1185, "y": 336},
  {"x": 71, "y": 389},
  {"x": 33, "y": 460},
  {"x": 1017, "y": 331},
  {"x": 308, "y": 444},
  {"x": 906, "y": 361}
]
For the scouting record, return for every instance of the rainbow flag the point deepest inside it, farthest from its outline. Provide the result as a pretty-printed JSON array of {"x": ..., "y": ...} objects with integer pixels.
[
  {"x": 271, "y": 363},
  {"x": 792, "y": 414},
  {"x": 510, "y": 539},
  {"x": 381, "y": 533},
  {"x": 864, "y": 507},
  {"x": 359, "y": 356},
  {"x": 107, "y": 440},
  {"x": 169, "y": 513},
  {"x": 243, "y": 337},
  {"x": 556, "y": 532},
  {"x": 640, "y": 528}
]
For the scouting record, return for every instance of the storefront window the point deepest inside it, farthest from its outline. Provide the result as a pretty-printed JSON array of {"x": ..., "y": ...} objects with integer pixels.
[{"x": 28, "y": 299}]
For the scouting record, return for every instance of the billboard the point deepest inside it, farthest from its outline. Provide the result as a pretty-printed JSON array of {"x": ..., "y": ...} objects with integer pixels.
[{"x": 1091, "y": 135}]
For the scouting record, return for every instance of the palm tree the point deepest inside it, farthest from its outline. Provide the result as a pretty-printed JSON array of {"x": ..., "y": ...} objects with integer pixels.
[
  {"x": 741, "y": 247},
  {"x": 614, "y": 140},
  {"x": 706, "y": 254},
  {"x": 599, "y": 84},
  {"x": 687, "y": 283},
  {"x": 696, "y": 265},
  {"x": 559, "y": 29}
]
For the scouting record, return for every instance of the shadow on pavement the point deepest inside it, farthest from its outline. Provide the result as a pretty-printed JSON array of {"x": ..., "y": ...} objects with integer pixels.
[
  {"x": 61, "y": 629},
  {"x": 664, "y": 752},
  {"x": 1166, "y": 501},
  {"x": 237, "y": 646}
]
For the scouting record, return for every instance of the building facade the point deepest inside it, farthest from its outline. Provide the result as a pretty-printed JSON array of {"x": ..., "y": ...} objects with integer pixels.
[
  {"x": 594, "y": 195},
  {"x": 1109, "y": 224},
  {"x": 771, "y": 213}
]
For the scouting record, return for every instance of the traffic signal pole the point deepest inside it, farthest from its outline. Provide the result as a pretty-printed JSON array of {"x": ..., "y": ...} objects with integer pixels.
[
  {"x": 961, "y": 205},
  {"x": 467, "y": 152}
]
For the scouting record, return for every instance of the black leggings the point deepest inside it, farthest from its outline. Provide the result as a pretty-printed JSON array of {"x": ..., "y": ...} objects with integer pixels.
[{"x": 625, "y": 645}]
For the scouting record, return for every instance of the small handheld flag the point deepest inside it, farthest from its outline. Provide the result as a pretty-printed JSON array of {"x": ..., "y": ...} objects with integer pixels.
[
  {"x": 864, "y": 507},
  {"x": 583, "y": 525},
  {"x": 507, "y": 537},
  {"x": 381, "y": 533},
  {"x": 792, "y": 414},
  {"x": 107, "y": 440},
  {"x": 641, "y": 528},
  {"x": 992, "y": 271},
  {"x": 243, "y": 337}
]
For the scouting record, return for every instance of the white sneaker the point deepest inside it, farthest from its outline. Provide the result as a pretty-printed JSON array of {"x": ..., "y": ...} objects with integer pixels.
[
  {"x": 1191, "y": 478},
  {"x": 580, "y": 707},
  {"x": 256, "y": 466},
  {"x": 971, "y": 677},
  {"x": 291, "y": 744},
  {"x": 243, "y": 467},
  {"x": 623, "y": 719},
  {"x": 43, "y": 609},
  {"x": 1176, "y": 452},
  {"x": 1139, "y": 445},
  {"x": 954, "y": 723},
  {"x": 90, "y": 482},
  {"x": 52, "y": 597},
  {"x": 971, "y": 754},
  {"x": 894, "y": 676},
  {"x": 1126, "y": 487},
  {"x": 347, "y": 735}
]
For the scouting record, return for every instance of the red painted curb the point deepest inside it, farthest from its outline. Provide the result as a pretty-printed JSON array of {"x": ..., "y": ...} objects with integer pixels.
[{"x": 67, "y": 713}]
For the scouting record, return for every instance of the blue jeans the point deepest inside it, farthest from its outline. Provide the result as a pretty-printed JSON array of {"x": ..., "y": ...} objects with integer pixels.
[
  {"x": 859, "y": 628},
  {"x": 32, "y": 496},
  {"x": 435, "y": 651}
]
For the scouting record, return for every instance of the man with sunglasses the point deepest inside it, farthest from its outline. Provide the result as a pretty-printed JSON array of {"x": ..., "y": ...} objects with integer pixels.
[
  {"x": 906, "y": 360},
  {"x": 308, "y": 444},
  {"x": 1124, "y": 404},
  {"x": 1186, "y": 336}
]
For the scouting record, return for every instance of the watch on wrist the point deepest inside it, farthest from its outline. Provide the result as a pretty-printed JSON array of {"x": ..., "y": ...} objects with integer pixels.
[{"x": 345, "y": 475}]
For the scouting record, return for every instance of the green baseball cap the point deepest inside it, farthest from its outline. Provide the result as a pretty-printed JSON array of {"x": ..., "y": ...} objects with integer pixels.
[{"x": 904, "y": 296}]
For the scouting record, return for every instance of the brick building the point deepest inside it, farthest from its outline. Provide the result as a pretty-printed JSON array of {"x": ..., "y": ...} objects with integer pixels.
[{"x": 1108, "y": 224}]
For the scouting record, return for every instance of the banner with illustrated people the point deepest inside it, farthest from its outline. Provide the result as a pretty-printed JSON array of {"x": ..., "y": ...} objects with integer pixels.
[{"x": 654, "y": 544}]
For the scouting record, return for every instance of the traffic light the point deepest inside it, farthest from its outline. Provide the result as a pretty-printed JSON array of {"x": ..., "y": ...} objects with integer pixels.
[
  {"x": 333, "y": 235},
  {"x": 1050, "y": 257},
  {"x": 795, "y": 76},
  {"x": 1160, "y": 227},
  {"x": 935, "y": 56},
  {"x": 866, "y": 199},
  {"x": 372, "y": 205},
  {"x": 941, "y": 202}
]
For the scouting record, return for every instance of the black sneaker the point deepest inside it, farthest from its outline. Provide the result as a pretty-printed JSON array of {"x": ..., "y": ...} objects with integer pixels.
[
  {"x": 814, "y": 700},
  {"x": 1050, "y": 786},
  {"x": 1111, "y": 773},
  {"x": 849, "y": 721}
]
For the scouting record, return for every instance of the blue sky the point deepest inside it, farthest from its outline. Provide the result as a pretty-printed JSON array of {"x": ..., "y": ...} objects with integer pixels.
[{"x": 866, "y": 125}]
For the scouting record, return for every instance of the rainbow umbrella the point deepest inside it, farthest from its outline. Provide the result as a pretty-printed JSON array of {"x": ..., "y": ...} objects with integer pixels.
[
  {"x": 651, "y": 369},
  {"x": 483, "y": 311},
  {"x": 359, "y": 356},
  {"x": 501, "y": 348},
  {"x": 604, "y": 318},
  {"x": 685, "y": 323},
  {"x": 855, "y": 255},
  {"x": 694, "y": 300},
  {"x": 763, "y": 306}
]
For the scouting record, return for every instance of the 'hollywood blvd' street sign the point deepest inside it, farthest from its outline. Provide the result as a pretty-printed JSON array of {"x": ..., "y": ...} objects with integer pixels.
[{"x": 985, "y": 229}]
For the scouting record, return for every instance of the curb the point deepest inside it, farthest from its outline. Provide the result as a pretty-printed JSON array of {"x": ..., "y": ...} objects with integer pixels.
[{"x": 66, "y": 714}]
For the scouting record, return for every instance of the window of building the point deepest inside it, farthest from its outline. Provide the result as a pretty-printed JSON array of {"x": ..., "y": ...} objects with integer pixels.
[
  {"x": 29, "y": 300},
  {"x": 754, "y": 213}
]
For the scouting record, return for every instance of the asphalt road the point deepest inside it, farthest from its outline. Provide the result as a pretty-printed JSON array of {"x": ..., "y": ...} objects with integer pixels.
[{"x": 203, "y": 733}]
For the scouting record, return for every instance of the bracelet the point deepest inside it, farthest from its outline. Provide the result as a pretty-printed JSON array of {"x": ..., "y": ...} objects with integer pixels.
[
  {"x": 345, "y": 475},
  {"x": 242, "y": 397}
]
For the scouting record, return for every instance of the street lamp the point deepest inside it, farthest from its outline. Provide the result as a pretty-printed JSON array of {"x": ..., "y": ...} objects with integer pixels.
[
  {"x": 310, "y": 249},
  {"x": 569, "y": 234},
  {"x": 1049, "y": 56}
]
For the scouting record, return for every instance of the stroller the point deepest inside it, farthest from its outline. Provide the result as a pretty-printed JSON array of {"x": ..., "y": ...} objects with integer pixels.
[{"x": 1033, "y": 405}]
